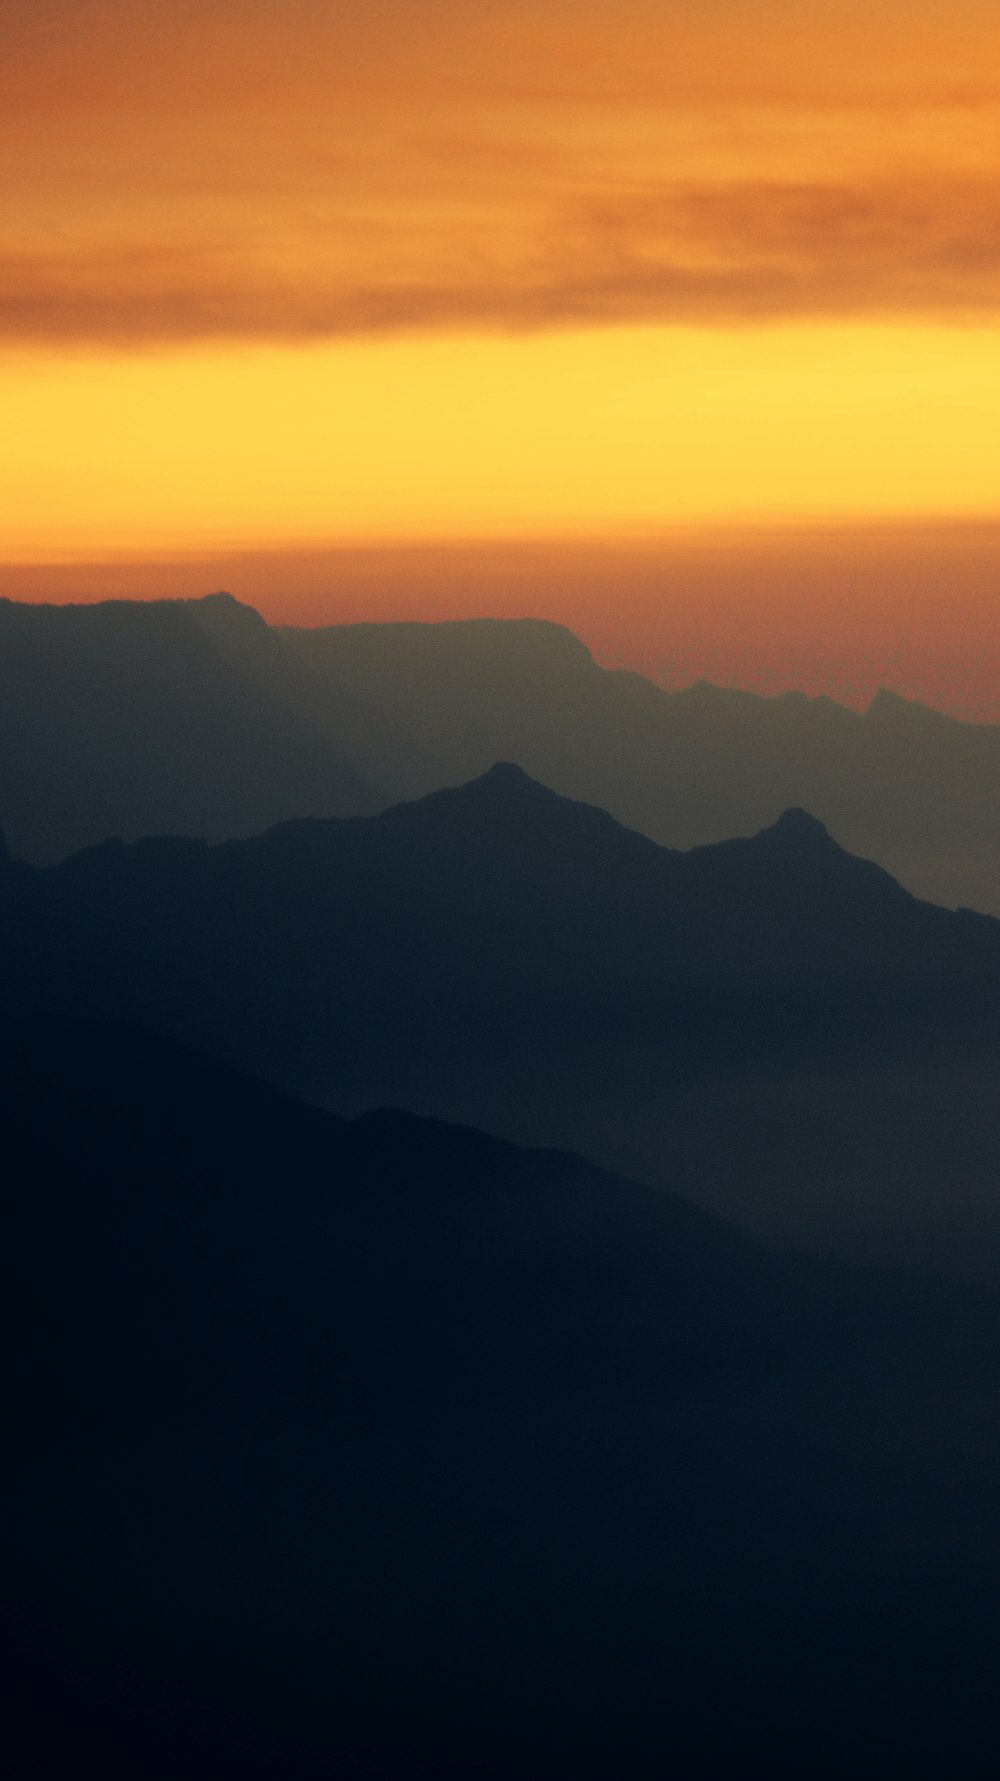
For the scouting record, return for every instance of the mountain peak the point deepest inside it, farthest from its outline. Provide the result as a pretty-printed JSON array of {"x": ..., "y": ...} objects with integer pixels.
[
  {"x": 886, "y": 703},
  {"x": 505, "y": 802},
  {"x": 796, "y": 821},
  {"x": 504, "y": 789},
  {"x": 799, "y": 832},
  {"x": 507, "y": 791},
  {"x": 504, "y": 783},
  {"x": 505, "y": 773},
  {"x": 887, "y": 706},
  {"x": 223, "y": 610}
]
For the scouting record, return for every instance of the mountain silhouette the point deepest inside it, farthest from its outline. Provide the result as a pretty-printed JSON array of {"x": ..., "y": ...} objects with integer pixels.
[
  {"x": 381, "y": 1447},
  {"x": 434, "y": 704},
  {"x": 771, "y": 1024},
  {"x": 195, "y": 717},
  {"x": 165, "y": 716}
]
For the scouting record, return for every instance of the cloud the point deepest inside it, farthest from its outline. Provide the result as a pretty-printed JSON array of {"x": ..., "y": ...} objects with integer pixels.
[
  {"x": 711, "y": 254},
  {"x": 308, "y": 169}
]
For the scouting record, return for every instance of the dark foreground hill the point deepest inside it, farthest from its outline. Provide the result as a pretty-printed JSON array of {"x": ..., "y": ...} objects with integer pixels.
[
  {"x": 771, "y": 1024},
  {"x": 429, "y": 705},
  {"x": 170, "y": 717},
  {"x": 381, "y": 1448}
]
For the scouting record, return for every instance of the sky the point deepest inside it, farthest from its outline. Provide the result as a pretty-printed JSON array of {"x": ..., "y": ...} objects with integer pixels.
[{"x": 279, "y": 279}]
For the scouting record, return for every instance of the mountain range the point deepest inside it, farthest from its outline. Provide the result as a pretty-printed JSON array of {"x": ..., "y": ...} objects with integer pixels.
[
  {"x": 771, "y": 1025},
  {"x": 376, "y": 1447},
  {"x": 436, "y": 704},
  {"x": 196, "y": 718},
  {"x": 502, "y": 1276},
  {"x": 126, "y": 718}
]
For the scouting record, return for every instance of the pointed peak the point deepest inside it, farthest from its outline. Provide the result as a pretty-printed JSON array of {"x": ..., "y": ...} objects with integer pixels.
[
  {"x": 505, "y": 781},
  {"x": 795, "y": 818},
  {"x": 223, "y": 605},
  {"x": 892, "y": 707},
  {"x": 884, "y": 701},
  {"x": 701, "y": 689},
  {"x": 797, "y": 825},
  {"x": 504, "y": 786},
  {"x": 223, "y": 602},
  {"x": 507, "y": 799},
  {"x": 505, "y": 773}
]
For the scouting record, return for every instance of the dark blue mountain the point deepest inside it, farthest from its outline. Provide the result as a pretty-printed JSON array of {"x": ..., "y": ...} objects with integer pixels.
[
  {"x": 500, "y": 955},
  {"x": 381, "y": 1447}
]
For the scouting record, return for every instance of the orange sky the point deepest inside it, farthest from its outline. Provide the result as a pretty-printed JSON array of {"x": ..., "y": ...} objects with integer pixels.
[
  {"x": 840, "y": 610},
  {"x": 286, "y": 275}
]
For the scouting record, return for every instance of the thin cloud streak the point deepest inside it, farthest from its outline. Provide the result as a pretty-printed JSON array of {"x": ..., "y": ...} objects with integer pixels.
[
  {"x": 719, "y": 254},
  {"x": 309, "y": 170}
]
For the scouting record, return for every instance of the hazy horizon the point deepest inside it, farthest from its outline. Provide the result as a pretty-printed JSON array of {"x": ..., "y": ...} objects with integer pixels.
[{"x": 836, "y": 610}]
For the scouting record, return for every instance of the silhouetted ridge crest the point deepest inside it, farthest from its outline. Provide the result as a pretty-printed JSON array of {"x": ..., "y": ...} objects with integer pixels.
[
  {"x": 505, "y": 779},
  {"x": 798, "y": 848},
  {"x": 505, "y": 800},
  {"x": 432, "y": 705},
  {"x": 223, "y": 609},
  {"x": 506, "y": 772},
  {"x": 161, "y": 717},
  {"x": 799, "y": 827},
  {"x": 504, "y": 786},
  {"x": 452, "y": 640},
  {"x": 893, "y": 708}
]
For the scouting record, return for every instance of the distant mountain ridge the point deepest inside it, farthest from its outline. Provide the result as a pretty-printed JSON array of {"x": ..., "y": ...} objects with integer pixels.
[
  {"x": 499, "y": 955},
  {"x": 131, "y": 717},
  {"x": 195, "y": 717},
  {"x": 436, "y": 704}
]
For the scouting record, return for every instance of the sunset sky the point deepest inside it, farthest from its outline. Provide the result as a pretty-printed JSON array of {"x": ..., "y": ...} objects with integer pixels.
[{"x": 304, "y": 276}]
